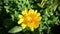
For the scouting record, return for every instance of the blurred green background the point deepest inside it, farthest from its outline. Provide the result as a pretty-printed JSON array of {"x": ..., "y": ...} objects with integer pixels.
[{"x": 49, "y": 9}]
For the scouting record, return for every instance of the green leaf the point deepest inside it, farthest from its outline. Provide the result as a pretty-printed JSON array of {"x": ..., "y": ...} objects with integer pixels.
[
  {"x": 12, "y": 17},
  {"x": 16, "y": 14},
  {"x": 59, "y": 8},
  {"x": 16, "y": 29}
]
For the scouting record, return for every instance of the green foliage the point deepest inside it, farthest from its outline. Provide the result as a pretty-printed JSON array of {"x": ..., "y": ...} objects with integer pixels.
[
  {"x": 9, "y": 10},
  {"x": 15, "y": 29}
]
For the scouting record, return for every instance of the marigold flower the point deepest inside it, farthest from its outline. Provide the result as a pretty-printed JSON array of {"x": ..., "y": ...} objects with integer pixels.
[{"x": 29, "y": 18}]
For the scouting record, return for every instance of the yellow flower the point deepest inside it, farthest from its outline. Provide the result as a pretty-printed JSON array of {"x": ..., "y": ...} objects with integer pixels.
[{"x": 29, "y": 18}]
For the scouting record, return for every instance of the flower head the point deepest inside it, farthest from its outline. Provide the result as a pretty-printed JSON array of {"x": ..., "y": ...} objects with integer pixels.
[{"x": 29, "y": 18}]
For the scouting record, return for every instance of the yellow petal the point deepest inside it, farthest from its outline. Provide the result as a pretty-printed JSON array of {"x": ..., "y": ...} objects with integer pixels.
[
  {"x": 32, "y": 29},
  {"x": 40, "y": 18},
  {"x": 23, "y": 25},
  {"x": 35, "y": 11},
  {"x": 25, "y": 11},
  {"x": 20, "y": 21},
  {"x": 37, "y": 25},
  {"x": 20, "y": 16},
  {"x": 38, "y": 14},
  {"x": 31, "y": 11}
]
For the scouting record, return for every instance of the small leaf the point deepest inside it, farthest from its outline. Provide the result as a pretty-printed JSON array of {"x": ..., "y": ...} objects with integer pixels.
[
  {"x": 16, "y": 14},
  {"x": 16, "y": 29},
  {"x": 12, "y": 17}
]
